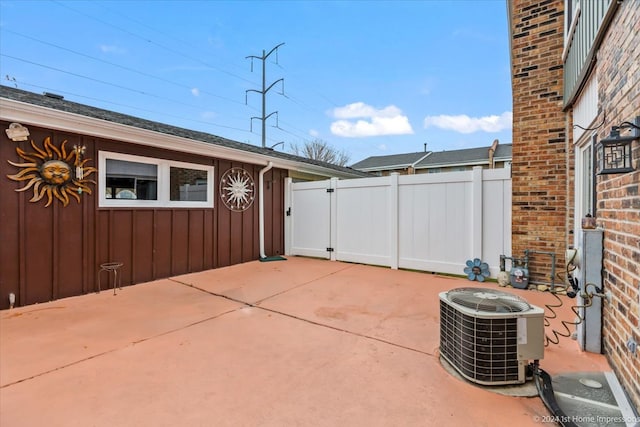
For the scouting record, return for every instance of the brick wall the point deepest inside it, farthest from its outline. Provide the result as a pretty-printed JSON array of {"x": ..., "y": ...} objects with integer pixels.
[
  {"x": 543, "y": 163},
  {"x": 542, "y": 183},
  {"x": 618, "y": 208}
]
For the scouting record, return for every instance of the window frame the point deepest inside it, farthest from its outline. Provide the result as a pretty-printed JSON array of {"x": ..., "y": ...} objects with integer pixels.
[
  {"x": 584, "y": 175},
  {"x": 163, "y": 183}
]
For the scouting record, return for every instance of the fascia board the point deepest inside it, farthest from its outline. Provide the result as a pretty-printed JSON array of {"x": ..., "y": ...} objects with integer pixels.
[
  {"x": 503, "y": 159},
  {"x": 385, "y": 168},
  {"x": 439, "y": 165},
  {"x": 16, "y": 111}
]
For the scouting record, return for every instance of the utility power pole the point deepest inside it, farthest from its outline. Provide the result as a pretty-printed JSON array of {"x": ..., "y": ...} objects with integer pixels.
[{"x": 264, "y": 90}]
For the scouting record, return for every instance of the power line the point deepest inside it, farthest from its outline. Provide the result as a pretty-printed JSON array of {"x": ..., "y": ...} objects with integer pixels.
[
  {"x": 45, "y": 88},
  {"x": 138, "y": 92},
  {"x": 48, "y": 67},
  {"x": 263, "y": 118},
  {"x": 132, "y": 90},
  {"x": 168, "y": 49},
  {"x": 288, "y": 97},
  {"x": 142, "y": 73},
  {"x": 145, "y": 25}
]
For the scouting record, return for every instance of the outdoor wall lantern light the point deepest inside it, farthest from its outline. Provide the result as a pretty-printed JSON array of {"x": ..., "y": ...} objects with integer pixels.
[{"x": 614, "y": 151}]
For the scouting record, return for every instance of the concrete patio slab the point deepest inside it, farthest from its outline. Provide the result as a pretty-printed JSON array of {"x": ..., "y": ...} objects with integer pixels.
[
  {"x": 45, "y": 337},
  {"x": 391, "y": 305},
  {"x": 262, "y": 280},
  {"x": 305, "y": 343}
]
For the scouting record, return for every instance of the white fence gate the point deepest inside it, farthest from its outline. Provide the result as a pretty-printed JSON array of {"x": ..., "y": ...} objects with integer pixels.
[{"x": 431, "y": 222}]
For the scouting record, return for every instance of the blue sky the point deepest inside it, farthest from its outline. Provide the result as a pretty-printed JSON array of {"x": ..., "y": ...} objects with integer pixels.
[{"x": 368, "y": 77}]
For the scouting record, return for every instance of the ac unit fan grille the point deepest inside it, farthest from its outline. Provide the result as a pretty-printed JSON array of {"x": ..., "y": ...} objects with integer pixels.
[
  {"x": 488, "y": 300},
  {"x": 484, "y": 350}
]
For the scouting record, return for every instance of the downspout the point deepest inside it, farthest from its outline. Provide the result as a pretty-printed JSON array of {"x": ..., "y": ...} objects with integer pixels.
[{"x": 261, "y": 206}]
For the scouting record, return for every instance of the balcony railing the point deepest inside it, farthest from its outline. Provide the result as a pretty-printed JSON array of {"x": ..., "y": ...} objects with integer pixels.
[{"x": 585, "y": 34}]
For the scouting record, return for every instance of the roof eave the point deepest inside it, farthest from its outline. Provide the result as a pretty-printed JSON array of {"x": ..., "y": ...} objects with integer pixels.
[
  {"x": 393, "y": 167},
  {"x": 17, "y": 111},
  {"x": 453, "y": 164},
  {"x": 382, "y": 168}
]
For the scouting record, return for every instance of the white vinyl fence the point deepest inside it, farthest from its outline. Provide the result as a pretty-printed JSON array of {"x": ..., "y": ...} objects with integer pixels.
[{"x": 431, "y": 222}]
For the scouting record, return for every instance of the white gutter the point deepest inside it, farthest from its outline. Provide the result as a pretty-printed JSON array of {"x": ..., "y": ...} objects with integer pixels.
[
  {"x": 261, "y": 206},
  {"x": 439, "y": 165}
]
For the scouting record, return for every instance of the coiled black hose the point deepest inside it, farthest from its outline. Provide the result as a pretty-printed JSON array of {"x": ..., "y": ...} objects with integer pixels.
[{"x": 588, "y": 298}]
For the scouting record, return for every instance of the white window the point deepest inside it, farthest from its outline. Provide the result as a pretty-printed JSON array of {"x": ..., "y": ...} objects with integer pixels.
[{"x": 136, "y": 181}]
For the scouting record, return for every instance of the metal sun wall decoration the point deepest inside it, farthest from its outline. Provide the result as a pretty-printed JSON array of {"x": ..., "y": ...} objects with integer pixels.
[
  {"x": 237, "y": 189},
  {"x": 54, "y": 172}
]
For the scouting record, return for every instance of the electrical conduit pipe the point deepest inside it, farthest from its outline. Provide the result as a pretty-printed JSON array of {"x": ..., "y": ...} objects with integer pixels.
[{"x": 261, "y": 206}]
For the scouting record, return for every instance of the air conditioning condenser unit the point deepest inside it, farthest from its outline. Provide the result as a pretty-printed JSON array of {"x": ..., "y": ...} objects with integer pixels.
[{"x": 490, "y": 336}]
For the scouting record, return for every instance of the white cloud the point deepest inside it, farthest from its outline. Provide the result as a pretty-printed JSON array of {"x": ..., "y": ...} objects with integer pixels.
[
  {"x": 208, "y": 115},
  {"x": 465, "y": 124},
  {"x": 111, "y": 49},
  {"x": 195, "y": 91},
  {"x": 314, "y": 133},
  {"x": 373, "y": 122}
]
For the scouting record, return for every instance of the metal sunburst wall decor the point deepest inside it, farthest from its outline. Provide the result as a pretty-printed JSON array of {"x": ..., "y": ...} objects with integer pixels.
[
  {"x": 237, "y": 189},
  {"x": 53, "y": 172}
]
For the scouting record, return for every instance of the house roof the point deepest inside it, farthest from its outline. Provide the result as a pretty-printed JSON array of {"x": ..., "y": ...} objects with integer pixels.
[
  {"x": 393, "y": 161},
  {"x": 467, "y": 156},
  {"x": 234, "y": 148},
  {"x": 431, "y": 159}
]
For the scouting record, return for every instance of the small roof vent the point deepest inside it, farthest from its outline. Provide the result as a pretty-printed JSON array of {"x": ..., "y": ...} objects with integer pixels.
[{"x": 53, "y": 95}]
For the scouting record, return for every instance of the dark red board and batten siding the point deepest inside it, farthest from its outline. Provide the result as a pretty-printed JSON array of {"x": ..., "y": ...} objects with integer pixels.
[{"x": 54, "y": 252}]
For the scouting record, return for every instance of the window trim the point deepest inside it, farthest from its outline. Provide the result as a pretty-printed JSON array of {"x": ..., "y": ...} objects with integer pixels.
[
  {"x": 585, "y": 172},
  {"x": 163, "y": 184}
]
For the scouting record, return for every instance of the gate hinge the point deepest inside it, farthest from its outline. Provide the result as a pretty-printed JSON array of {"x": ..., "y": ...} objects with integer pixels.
[
  {"x": 330, "y": 190},
  {"x": 329, "y": 249}
]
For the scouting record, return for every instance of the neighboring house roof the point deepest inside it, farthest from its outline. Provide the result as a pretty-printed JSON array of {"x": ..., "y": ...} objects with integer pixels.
[
  {"x": 464, "y": 157},
  {"x": 390, "y": 162},
  {"x": 233, "y": 149},
  {"x": 503, "y": 152},
  {"x": 431, "y": 159}
]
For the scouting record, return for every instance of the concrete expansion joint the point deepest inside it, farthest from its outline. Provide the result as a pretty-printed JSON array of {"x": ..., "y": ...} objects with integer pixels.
[
  {"x": 58, "y": 368},
  {"x": 130, "y": 344},
  {"x": 189, "y": 285},
  {"x": 346, "y": 331},
  {"x": 260, "y": 301},
  {"x": 291, "y": 316},
  {"x": 308, "y": 282}
]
